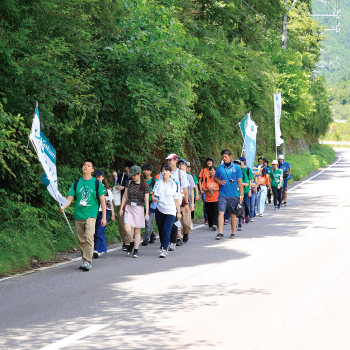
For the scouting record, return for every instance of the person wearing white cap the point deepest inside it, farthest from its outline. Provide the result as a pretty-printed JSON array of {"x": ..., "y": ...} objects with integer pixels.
[
  {"x": 276, "y": 177},
  {"x": 180, "y": 177},
  {"x": 285, "y": 166}
]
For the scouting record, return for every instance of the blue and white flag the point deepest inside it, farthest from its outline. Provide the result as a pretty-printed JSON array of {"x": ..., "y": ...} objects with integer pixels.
[
  {"x": 250, "y": 142},
  {"x": 278, "y": 110},
  {"x": 47, "y": 156}
]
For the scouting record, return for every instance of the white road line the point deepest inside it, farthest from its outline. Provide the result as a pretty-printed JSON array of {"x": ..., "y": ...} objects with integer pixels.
[
  {"x": 74, "y": 337},
  {"x": 303, "y": 182}
]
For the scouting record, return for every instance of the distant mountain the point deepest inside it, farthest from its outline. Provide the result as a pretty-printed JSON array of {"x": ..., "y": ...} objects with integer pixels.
[{"x": 336, "y": 51}]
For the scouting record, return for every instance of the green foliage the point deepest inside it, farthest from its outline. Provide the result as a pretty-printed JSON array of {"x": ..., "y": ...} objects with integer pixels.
[{"x": 341, "y": 132}]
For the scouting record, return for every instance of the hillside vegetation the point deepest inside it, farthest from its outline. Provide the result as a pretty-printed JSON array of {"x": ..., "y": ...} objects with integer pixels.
[{"x": 125, "y": 79}]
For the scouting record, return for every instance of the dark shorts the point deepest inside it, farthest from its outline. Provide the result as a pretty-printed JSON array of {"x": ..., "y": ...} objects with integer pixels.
[
  {"x": 229, "y": 203},
  {"x": 285, "y": 185}
]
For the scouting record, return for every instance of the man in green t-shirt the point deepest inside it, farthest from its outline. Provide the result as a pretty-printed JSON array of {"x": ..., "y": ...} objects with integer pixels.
[
  {"x": 149, "y": 236},
  {"x": 86, "y": 209}
]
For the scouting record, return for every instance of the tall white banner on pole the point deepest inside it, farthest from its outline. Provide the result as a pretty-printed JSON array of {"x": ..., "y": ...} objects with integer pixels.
[
  {"x": 278, "y": 110},
  {"x": 250, "y": 142}
]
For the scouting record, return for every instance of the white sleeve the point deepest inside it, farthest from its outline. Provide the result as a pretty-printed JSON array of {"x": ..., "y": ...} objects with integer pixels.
[
  {"x": 184, "y": 180},
  {"x": 156, "y": 188}
]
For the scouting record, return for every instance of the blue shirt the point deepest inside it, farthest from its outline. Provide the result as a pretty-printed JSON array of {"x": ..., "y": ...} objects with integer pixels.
[
  {"x": 233, "y": 172},
  {"x": 285, "y": 166}
]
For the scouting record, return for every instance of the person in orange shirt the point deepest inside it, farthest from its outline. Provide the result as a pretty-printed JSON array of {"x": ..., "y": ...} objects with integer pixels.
[
  {"x": 201, "y": 179},
  {"x": 264, "y": 183},
  {"x": 211, "y": 189}
]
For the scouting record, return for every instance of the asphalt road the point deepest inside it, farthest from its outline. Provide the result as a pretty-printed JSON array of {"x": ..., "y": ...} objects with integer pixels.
[{"x": 282, "y": 283}]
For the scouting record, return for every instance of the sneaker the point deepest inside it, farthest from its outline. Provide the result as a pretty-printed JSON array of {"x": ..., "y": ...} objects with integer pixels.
[
  {"x": 240, "y": 227},
  {"x": 86, "y": 266},
  {"x": 178, "y": 242},
  {"x": 125, "y": 247},
  {"x": 269, "y": 201},
  {"x": 136, "y": 253},
  {"x": 172, "y": 247},
  {"x": 144, "y": 243},
  {"x": 275, "y": 208},
  {"x": 131, "y": 247},
  {"x": 206, "y": 222},
  {"x": 191, "y": 225},
  {"x": 214, "y": 227},
  {"x": 163, "y": 254},
  {"x": 185, "y": 238},
  {"x": 219, "y": 236},
  {"x": 226, "y": 222},
  {"x": 284, "y": 203},
  {"x": 153, "y": 238},
  {"x": 247, "y": 220},
  {"x": 279, "y": 207},
  {"x": 95, "y": 254},
  {"x": 232, "y": 235},
  {"x": 251, "y": 219}
]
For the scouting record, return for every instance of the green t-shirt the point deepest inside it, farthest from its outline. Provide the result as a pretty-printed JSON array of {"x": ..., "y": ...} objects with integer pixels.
[
  {"x": 195, "y": 182},
  {"x": 151, "y": 187},
  {"x": 247, "y": 177},
  {"x": 275, "y": 176},
  {"x": 86, "y": 204}
]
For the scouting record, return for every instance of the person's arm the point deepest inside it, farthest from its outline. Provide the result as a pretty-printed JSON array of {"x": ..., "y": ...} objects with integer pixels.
[
  {"x": 250, "y": 188},
  {"x": 147, "y": 206},
  {"x": 104, "y": 209},
  {"x": 154, "y": 199},
  {"x": 192, "y": 196},
  {"x": 177, "y": 203},
  {"x": 187, "y": 207},
  {"x": 125, "y": 196},
  {"x": 218, "y": 181},
  {"x": 113, "y": 213},
  {"x": 197, "y": 193},
  {"x": 69, "y": 201},
  {"x": 240, "y": 186}
]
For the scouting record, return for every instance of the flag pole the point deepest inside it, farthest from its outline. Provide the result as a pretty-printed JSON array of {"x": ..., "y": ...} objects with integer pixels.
[{"x": 65, "y": 216}]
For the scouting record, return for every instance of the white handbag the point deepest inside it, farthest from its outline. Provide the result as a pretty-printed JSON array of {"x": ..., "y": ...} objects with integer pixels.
[{"x": 117, "y": 196}]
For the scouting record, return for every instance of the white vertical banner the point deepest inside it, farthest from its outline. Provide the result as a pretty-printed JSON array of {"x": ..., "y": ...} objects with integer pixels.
[
  {"x": 278, "y": 110},
  {"x": 250, "y": 142}
]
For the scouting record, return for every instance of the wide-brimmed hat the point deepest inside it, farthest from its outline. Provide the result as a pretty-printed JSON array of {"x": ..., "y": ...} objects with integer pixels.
[
  {"x": 274, "y": 162},
  {"x": 281, "y": 156}
]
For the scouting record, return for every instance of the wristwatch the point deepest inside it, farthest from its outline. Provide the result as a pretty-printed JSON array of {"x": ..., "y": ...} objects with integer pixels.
[{"x": 187, "y": 203}]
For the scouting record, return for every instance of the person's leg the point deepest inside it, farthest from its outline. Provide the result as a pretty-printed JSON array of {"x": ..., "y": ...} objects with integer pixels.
[
  {"x": 279, "y": 196},
  {"x": 137, "y": 237},
  {"x": 209, "y": 213},
  {"x": 204, "y": 211},
  {"x": 233, "y": 223},
  {"x": 252, "y": 205},
  {"x": 261, "y": 203},
  {"x": 186, "y": 224},
  {"x": 274, "y": 191},
  {"x": 258, "y": 197},
  {"x": 121, "y": 227},
  {"x": 100, "y": 243},
  {"x": 284, "y": 191},
  {"x": 160, "y": 222},
  {"x": 168, "y": 223},
  {"x": 215, "y": 213},
  {"x": 221, "y": 219},
  {"x": 80, "y": 229},
  {"x": 89, "y": 239},
  {"x": 246, "y": 201},
  {"x": 149, "y": 227},
  {"x": 129, "y": 233},
  {"x": 173, "y": 235},
  {"x": 222, "y": 205}
]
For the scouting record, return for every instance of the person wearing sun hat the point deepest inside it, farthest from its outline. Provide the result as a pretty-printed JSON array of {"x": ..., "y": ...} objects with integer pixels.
[
  {"x": 135, "y": 199},
  {"x": 285, "y": 166},
  {"x": 276, "y": 176}
]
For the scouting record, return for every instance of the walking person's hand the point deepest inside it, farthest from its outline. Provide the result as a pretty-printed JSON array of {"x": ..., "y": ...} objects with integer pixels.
[
  {"x": 179, "y": 216},
  {"x": 121, "y": 212},
  {"x": 103, "y": 222},
  {"x": 187, "y": 208}
]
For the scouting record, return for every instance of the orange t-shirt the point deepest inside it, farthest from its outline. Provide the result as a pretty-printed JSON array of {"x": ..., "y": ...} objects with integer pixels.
[
  {"x": 207, "y": 185},
  {"x": 204, "y": 173},
  {"x": 157, "y": 176},
  {"x": 264, "y": 180}
]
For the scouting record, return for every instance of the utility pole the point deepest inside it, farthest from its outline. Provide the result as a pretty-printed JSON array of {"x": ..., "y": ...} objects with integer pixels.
[{"x": 285, "y": 20}]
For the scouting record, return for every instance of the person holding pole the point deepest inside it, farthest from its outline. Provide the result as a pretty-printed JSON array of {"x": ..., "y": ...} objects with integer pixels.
[{"x": 87, "y": 192}]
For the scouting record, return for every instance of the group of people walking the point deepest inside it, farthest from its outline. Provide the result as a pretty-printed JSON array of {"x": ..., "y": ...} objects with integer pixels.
[{"x": 169, "y": 199}]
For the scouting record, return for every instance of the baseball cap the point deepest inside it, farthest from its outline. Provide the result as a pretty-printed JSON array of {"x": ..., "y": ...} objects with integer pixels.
[
  {"x": 274, "y": 162},
  {"x": 265, "y": 160},
  {"x": 99, "y": 173},
  {"x": 242, "y": 159},
  {"x": 237, "y": 161},
  {"x": 189, "y": 164},
  {"x": 182, "y": 160},
  {"x": 281, "y": 156},
  {"x": 172, "y": 156},
  {"x": 134, "y": 170},
  {"x": 210, "y": 158}
]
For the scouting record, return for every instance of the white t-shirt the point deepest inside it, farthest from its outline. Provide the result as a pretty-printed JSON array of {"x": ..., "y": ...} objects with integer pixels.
[
  {"x": 180, "y": 177},
  {"x": 167, "y": 194},
  {"x": 109, "y": 198}
]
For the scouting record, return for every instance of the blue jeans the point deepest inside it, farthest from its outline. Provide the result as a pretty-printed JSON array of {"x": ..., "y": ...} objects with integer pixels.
[
  {"x": 165, "y": 223},
  {"x": 246, "y": 201},
  {"x": 252, "y": 205},
  {"x": 100, "y": 243},
  {"x": 149, "y": 227},
  {"x": 261, "y": 199},
  {"x": 204, "y": 212}
]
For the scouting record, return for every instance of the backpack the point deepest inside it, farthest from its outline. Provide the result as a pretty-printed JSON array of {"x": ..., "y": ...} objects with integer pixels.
[
  {"x": 97, "y": 184},
  {"x": 153, "y": 182}
]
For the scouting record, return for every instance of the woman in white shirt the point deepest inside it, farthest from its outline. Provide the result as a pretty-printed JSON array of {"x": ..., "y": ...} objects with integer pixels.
[{"x": 167, "y": 193}]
